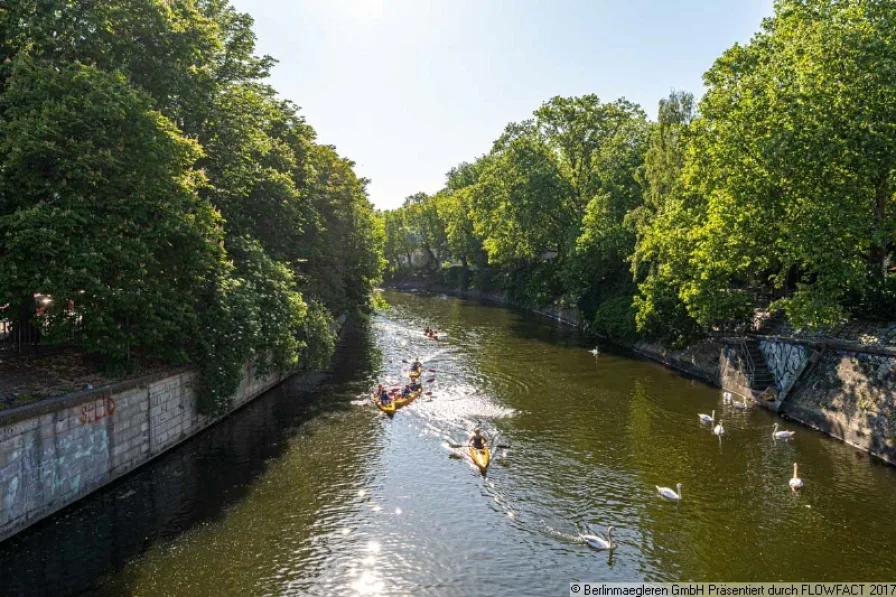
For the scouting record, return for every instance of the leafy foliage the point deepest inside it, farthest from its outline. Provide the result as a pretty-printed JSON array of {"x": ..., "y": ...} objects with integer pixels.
[
  {"x": 99, "y": 204},
  {"x": 778, "y": 191},
  {"x": 150, "y": 178},
  {"x": 787, "y": 183}
]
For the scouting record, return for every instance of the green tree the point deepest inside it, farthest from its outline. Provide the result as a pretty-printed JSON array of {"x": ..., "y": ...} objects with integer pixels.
[
  {"x": 426, "y": 227},
  {"x": 99, "y": 204},
  {"x": 794, "y": 156},
  {"x": 343, "y": 248},
  {"x": 253, "y": 170},
  {"x": 660, "y": 260},
  {"x": 148, "y": 173},
  {"x": 522, "y": 206}
]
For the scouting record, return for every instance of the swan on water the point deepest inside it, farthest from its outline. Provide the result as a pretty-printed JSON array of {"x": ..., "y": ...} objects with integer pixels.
[
  {"x": 718, "y": 429},
  {"x": 707, "y": 418},
  {"x": 796, "y": 482},
  {"x": 670, "y": 494},
  {"x": 740, "y": 405},
  {"x": 595, "y": 351},
  {"x": 782, "y": 434},
  {"x": 727, "y": 397},
  {"x": 599, "y": 543}
]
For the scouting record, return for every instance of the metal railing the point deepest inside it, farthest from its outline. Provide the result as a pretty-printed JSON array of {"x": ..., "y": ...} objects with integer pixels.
[{"x": 19, "y": 336}]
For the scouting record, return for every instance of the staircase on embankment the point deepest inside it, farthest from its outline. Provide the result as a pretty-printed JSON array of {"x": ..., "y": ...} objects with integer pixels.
[{"x": 762, "y": 382}]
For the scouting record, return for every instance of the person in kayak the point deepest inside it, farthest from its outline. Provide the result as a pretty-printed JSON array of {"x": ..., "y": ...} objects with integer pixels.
[
  {"x": 383, "y": 396},
  {"x": 477, "y": 440},
  {"x": 406, "y": 391},
  {"x": 417, "y": 366},
  {"x": 416, "y": 387}
]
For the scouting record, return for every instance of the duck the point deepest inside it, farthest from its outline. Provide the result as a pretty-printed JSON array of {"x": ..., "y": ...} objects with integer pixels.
[
  {"x": 718, "y": 429},
  {"x": 670, "y": 494},
  {"x": 782, "y": 434},
  {"x": 796, "y": 482},
  {"x": 599, "y": 543},
  {"x": 707, "y": 418}
]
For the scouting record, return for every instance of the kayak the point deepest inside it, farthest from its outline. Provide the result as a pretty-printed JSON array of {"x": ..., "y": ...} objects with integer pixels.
[
  {"x": 402, "y": 401},
  {"x": 415, "y": 374},
  {"x": 480, "y": 458},
  {"x": 389, "y": 409}
]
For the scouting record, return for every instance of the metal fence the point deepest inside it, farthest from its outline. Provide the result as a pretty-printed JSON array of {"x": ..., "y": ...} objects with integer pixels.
[
  {"x": 18, "y": 337},
  {"x": 27, "y": 336}
]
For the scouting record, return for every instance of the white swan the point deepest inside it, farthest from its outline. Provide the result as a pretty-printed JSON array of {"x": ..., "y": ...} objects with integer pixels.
[
  {"x": 782, "y": 434},
  {"x": 599, "y": 543},
  {"x": 796, "y": 482},
  {"x": 707, "y": 418},
  {"x": 718, "y": 429},
  {"x": 727, "y": 397},
  {"x": 669, "y": 494},
  {"x": 739, "y": 405},
  {"x": 595, "y": 351}
]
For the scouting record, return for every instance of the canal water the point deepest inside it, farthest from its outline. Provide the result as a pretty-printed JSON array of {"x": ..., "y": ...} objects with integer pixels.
[{"x": 318, "y": 493}]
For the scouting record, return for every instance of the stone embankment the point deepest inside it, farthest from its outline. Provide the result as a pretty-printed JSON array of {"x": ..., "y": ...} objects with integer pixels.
[{"x": 60, "y": 450}]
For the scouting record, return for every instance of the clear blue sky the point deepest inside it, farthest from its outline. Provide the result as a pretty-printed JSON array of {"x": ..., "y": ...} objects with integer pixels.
[{"x": 409, "y": 88}]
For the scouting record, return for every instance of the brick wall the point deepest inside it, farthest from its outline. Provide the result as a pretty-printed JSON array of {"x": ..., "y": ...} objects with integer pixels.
[{"x": 58, "y": 451}]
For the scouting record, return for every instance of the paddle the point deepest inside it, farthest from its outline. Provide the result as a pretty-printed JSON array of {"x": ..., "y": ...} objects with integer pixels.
[
  {"x": 453, "y": 445},
  {"x": 430, "y": 380},
  {"x": 408, "y": 363}
]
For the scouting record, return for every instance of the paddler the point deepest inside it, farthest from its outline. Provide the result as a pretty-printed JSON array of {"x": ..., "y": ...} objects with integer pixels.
[
  {"x": 383, "y": 396},
  {"x": 417, "y": 366},
  {"x": 406, "y": 392},
  {"x": 416, "y": 386},
  {"x": 477, "y": 440}
]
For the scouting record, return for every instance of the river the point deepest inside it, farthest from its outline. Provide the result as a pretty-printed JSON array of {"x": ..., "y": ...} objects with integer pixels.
[{"x": 318, "y": 493}]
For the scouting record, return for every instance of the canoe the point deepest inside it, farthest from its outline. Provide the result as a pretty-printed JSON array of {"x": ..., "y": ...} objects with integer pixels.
[
  {"x": 402, "y": 401},
  {"x": 389, "y": 409},
  {"x": 480, "y": 458}
]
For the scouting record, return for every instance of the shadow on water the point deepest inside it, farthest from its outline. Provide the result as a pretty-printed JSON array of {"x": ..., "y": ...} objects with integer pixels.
[{"x": 193, "y": 485}]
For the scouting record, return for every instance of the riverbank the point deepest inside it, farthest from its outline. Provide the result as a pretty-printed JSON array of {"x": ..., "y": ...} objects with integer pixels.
[
  {"x": 841, "y": 382},
  {"x": 57, "y": 451}
]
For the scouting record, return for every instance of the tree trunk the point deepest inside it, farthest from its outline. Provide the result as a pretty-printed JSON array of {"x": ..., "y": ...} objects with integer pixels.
[{"x": 880, "y": 259}]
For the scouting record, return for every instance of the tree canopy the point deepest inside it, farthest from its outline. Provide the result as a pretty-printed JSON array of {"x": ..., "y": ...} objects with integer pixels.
[
  {"x": 776, "y": 191},
  {"x": 165, "y": 197}
]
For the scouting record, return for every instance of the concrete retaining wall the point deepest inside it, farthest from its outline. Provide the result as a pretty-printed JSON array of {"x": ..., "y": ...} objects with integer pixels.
[
  {"x": 851, "y": 396},
  {"x": 58, "y": 451}
]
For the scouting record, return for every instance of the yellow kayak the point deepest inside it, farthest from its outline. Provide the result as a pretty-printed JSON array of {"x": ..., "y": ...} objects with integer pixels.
[
  {"x": 389, "y": 409},
  {"x": 415, "y": 374},
  {"x": 480, "y": 458},
  {"x": 402, "y": 401}
]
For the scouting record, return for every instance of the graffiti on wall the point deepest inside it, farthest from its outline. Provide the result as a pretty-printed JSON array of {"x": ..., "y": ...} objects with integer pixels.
[
  {"x": 100, "y": 408},
  {"x": 785, "y": 361}
]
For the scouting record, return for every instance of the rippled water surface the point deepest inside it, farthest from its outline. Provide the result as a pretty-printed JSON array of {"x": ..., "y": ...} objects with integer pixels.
[{"x": 318, "y": 493}]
